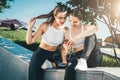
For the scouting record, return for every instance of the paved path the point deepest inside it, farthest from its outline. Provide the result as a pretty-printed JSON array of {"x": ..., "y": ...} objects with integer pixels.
[{"x": 110, "y": 52}]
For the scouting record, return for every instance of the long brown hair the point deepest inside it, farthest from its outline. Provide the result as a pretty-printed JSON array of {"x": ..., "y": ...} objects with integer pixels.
[{"x": 50, "y": 16}]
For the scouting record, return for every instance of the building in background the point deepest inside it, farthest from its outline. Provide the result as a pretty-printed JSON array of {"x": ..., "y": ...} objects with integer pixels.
[
  {"x": 109, "y": 40},
  {"x": 14, "y": 24}
]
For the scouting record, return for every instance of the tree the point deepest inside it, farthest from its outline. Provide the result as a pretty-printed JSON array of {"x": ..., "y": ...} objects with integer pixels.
[
  {"x": 105, "y": 11},
  {"x": 5, "y": 4}
]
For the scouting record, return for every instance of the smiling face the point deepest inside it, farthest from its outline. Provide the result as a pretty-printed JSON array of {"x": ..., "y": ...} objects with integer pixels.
[
  {"x": 60, "y": 18},
  {"x": 74, "y": 21}
]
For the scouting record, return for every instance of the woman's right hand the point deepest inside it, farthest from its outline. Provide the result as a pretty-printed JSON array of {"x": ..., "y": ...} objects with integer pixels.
[{"x": 31, "y": 22}]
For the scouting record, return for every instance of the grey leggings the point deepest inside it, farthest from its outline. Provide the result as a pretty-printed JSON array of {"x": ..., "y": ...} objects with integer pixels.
[{"x": 91, "y": 53}]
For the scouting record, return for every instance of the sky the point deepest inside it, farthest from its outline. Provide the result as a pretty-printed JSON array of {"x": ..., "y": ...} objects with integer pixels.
[{"x": 26, "y": 9}]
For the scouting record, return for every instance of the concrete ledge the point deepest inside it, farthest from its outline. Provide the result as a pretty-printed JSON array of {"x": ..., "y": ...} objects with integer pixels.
[
  {"x": 98, "y": 73},
  {"x": 12, "y": 67},
  {"x": 89, "y": 75},
  {"x": 54, "y": 74},
  {"x": 16, "y": 49}
]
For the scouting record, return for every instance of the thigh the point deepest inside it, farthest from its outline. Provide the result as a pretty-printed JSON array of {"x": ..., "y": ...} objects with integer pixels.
[
  {"x": 37, "y": 58},
  {"x": 95, "y": 59},
  {"x": 40, "y": 55}
]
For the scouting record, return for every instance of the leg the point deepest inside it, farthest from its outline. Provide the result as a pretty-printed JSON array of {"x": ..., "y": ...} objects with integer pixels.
[
  {"x": 70, "y": 71},
  {"x": 91, "y": 51},
  {"x": 38, "y": 58},
  {"x": 95, "y": 58},
  {"x": 89, "y": 46}
]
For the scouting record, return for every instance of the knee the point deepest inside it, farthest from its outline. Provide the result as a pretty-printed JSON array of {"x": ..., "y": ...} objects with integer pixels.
[{"x": 92, "y": 37}]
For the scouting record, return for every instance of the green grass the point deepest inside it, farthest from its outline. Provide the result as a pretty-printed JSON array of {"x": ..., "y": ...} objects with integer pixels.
[
  {"x": 109, "y": 61},
  {"x": 18, "y": 36}
]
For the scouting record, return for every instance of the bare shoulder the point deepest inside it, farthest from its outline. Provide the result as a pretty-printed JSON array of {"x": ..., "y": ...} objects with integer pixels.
[
  {"x": 44, "y": 25},
  {"x": 66, "y": 28},
  {"x": 88, "y": 26}
]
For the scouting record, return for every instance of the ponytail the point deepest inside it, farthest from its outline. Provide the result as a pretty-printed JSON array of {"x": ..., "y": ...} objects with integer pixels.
[
  {"x": 50, "y": 16},
  {"x": 44, "y": 15}
]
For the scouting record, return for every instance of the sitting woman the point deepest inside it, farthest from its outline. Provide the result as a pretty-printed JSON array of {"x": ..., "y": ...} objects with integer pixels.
[{"x": 83, "y": 41}]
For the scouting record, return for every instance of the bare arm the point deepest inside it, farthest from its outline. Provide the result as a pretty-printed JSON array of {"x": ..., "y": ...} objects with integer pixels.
[
  {"x": 89, "y": 30},
  {"x": 65, "y": 50},
  {"x": 65, "y": 47},
  {"x": 32, "y": 37}
]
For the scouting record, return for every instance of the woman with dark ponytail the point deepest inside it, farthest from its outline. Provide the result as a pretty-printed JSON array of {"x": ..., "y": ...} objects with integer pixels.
[{"x": 52, "y": 33}]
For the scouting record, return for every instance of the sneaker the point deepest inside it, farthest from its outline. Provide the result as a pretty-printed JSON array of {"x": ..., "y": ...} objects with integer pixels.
[
  {"x": 81, "y": 65},
  {"x": 46, "y": 64}
]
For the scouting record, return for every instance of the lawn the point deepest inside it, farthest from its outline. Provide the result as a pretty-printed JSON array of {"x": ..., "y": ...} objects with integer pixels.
[{"x": 18, "y": 36}]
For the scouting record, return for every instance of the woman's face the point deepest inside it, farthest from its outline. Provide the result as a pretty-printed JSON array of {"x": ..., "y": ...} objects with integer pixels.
[
  {"x": 74, "y": 21},
  {"x": 61, "y": 18}
]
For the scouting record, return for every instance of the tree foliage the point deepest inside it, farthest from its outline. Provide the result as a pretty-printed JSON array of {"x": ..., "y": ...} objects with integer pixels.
[
  {"x": 98, "y": 9},
  {"x": 5, "y": 4}
]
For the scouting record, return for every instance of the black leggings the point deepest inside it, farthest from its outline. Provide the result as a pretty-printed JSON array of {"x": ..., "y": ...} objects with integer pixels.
[
  {"x": 91, "y": 53},
  {"x": 38, "y": 58}
]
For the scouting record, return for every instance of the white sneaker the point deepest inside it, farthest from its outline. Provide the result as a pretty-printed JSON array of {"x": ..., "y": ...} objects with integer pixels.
[
  {"x": 81, "y": 65},
  {"x": 46, "y": 64}
]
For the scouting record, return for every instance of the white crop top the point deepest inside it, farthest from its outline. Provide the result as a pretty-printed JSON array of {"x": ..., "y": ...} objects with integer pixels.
[
  {"x": 81, "y": 41},
  {"x": 53, "y": 37}
]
